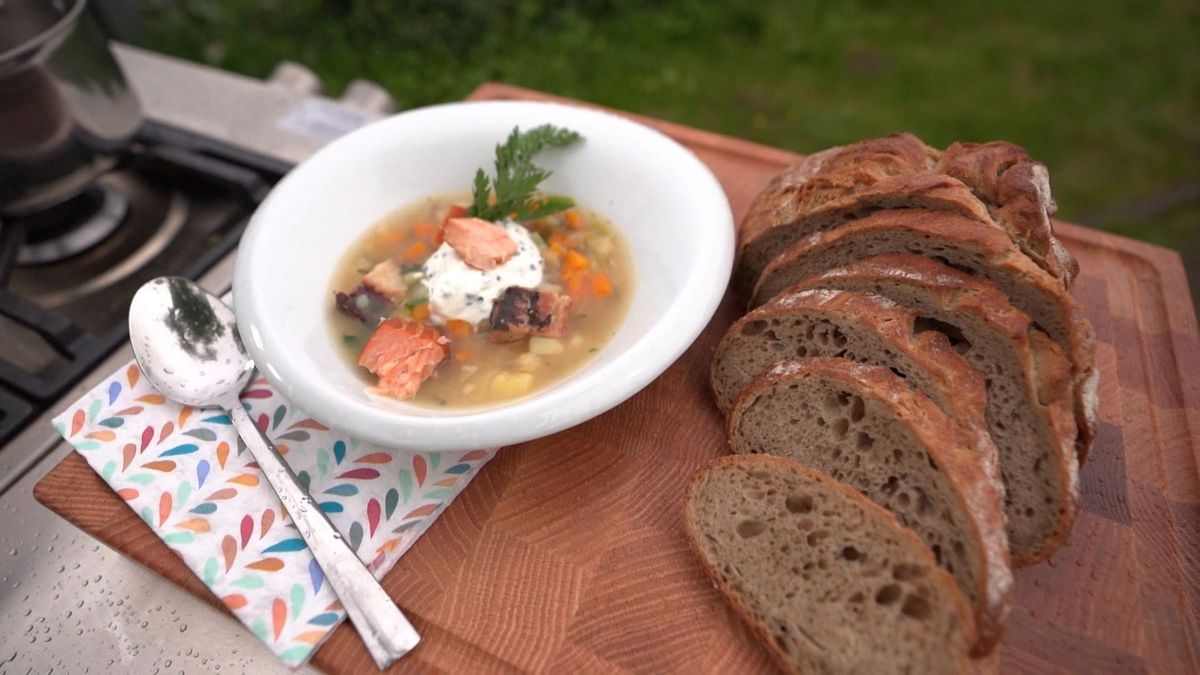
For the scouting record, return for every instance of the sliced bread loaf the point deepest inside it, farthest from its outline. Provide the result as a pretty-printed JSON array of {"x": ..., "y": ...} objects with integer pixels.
[
  {"x": 996, "y": 183},
  {"x": 861, "y": 327},
  {"x": 864, "y": 426},
  {"x": 771, "y": 224},
  {"x": 1017, "y": 192},
  {"x": 963, "y": 244},
  {"x": 828, "y": 581},
  {"x": 1030, "y": 411}
]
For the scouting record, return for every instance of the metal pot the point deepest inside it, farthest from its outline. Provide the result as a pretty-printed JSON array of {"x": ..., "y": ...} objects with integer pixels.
[{"x": 66, "y": 111}]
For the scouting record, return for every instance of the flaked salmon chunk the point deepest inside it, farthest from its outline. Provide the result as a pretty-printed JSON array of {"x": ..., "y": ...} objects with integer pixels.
[
  {"x": 403, "y": 354},
  {"x": 480, "y": 244}
]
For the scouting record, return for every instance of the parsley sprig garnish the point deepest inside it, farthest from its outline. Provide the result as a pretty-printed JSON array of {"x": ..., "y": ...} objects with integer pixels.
[{"x": 517, "y": 177}]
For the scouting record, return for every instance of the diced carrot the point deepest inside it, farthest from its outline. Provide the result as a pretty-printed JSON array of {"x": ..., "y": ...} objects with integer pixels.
[
  {"x": 463, "y": 354},
  {"x": 575, "y": 286},
  {"x": 455, "y": 211},
  {"x": 424, "y": 230},
  {"x": 416, "y": 251},
  {"x": 557, "y": 248},
  {"x": 558, "y": 238},
  {"x": 458, "y": 328},
  {"x": 601, "y": 286},
  {"x": 574, "y": 220},
  {"x": 421, "y": 312},
  {"x": 575, "y": 261}
]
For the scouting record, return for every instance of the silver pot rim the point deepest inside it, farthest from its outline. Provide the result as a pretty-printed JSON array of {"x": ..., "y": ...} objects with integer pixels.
[{"x": 23, "y": 52}]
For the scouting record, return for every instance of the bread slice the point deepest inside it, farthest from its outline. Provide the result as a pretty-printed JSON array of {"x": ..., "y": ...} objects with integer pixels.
[
  {"x": 980, "y": 250},
  {"x": 861, "y": 327},
  {"x": 772, "y": 222},
  {"x": 1017, "y": 192},
  {"x": 1029, "y": 406},
  {"x": 829, "y": 581},
  {"x": 864, "y": 426},
  {"x": 996, "y": 183}
]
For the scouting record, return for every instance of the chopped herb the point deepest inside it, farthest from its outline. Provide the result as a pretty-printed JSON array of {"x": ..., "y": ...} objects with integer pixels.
[
  {"x": 517, "y": 177},
  {"x": 350, "y": 339},
  {"x": 413, "y": 302},
  {"x": 409, "y": 268},
  {"x": 537, "y": 239},
  {"x": 593, "y": 349}
]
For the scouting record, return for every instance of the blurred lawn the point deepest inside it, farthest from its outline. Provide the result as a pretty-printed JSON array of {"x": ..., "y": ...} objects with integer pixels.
[{"x": 1106, "y": 93}]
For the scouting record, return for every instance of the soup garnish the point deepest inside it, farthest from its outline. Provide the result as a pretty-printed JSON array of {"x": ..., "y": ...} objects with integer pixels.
[{"x": 509, "y": 292}]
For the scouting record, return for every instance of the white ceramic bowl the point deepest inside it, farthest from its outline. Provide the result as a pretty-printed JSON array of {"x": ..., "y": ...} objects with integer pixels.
[{"x": 668, "y": 205}]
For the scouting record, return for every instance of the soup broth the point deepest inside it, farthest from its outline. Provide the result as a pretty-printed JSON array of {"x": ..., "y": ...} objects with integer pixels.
[{"x": 580, "y": 255}]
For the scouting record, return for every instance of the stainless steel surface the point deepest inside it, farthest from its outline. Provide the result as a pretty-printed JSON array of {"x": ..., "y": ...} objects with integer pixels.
[
  {"x": 66, "y": 110},
  {"x": 102, "y": 612},
  {"x": 369, "y": 96},
  {"x": 295, "y": 77},
  {"x": 186, "y": 342},
  {"x": 245, "y": 113},
  {"x": 71, "y": 605}
]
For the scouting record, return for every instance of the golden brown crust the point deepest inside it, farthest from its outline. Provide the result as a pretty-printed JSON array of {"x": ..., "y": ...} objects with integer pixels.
[
  {"x": 1017, "y": 190},
  {"x": 817, "y": 179},
  {"x": 1046, "y": 368},
  {"x": 951, "y": 448},
  {"x": 1001, "y": 258},
  {"x": 1013, "y": 189},
  {"x": 961, "y": 607}
]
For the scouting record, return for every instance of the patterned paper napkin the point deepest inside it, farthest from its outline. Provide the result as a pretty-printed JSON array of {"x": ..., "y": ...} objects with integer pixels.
[{"x": 186, "y": 474}]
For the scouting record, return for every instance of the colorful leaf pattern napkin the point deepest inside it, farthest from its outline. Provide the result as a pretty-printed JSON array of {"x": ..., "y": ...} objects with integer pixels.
[{"x": 188, "y": 476}]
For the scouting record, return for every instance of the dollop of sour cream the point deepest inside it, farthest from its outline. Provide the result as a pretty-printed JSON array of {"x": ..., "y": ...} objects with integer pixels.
[{"x": 459, "y": 291}]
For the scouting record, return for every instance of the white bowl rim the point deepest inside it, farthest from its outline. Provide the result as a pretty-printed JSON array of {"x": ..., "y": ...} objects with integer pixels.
[{"x": 491, "y": 427}]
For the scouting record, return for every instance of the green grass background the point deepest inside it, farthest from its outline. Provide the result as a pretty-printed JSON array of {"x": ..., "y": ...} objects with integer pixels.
[{"x": 1106, "y": 93}]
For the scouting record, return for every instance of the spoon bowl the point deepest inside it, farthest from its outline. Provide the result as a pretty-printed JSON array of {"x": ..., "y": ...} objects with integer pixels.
[{"x": 187, "y": 343}]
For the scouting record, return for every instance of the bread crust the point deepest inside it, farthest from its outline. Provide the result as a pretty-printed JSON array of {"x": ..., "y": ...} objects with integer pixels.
[
  {"x": 953, "y": 450},
  {"x": 1046, "y": 369},
  {"x": 1012, "y": 190},
  {"x": 961, "y": 607},
  {"x": 998, "y": 253},
  {"x": 1017, "y": 190}
]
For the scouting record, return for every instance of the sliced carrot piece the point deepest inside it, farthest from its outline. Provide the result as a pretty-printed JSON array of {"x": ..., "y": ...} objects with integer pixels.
[
  {"x": 574, "y": 220},
  {"x": 424, "y": 230},
  {"x": 421, "y": 312},
  {"x": 576, "y": 261},
  {"x": 601, "y": 286},
  {"x": 463, "y": 354},
  {"x": 458, "y": 328},
  {"x": 416, "y": 251}
]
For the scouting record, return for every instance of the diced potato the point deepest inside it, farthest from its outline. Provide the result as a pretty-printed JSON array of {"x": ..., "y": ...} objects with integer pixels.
[
  {"x": 527, "y": 362},
  {"x": 469, "y": 389},
  {"x": 547, "y": 287},
  {"x": 511, "y": 385},
  {"x": 602, "y": 247},
  {"x": 545, "y": 346},
  {"x": 575, "y": 341}
]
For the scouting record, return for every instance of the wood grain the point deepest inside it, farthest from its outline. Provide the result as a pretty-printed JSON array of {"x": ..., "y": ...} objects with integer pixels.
[{"x": 566, "y": 554}]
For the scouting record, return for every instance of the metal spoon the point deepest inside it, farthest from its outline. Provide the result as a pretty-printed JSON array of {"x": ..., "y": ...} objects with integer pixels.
[{"x": 188, "y": 347}]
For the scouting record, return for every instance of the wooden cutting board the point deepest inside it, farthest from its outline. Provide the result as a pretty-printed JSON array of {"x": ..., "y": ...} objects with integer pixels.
[{"x": 567, "y": 554}]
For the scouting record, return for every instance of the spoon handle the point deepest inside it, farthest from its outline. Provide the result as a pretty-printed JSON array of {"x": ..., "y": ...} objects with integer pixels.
[{"x": 386, "y": 632}]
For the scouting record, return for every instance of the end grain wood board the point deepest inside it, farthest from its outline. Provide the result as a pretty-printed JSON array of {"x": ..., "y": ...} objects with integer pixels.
[{"x": 567, "y": 553}]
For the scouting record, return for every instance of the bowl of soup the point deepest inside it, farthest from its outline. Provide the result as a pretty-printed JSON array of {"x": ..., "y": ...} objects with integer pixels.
[{"x": 384, "y": 293}]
